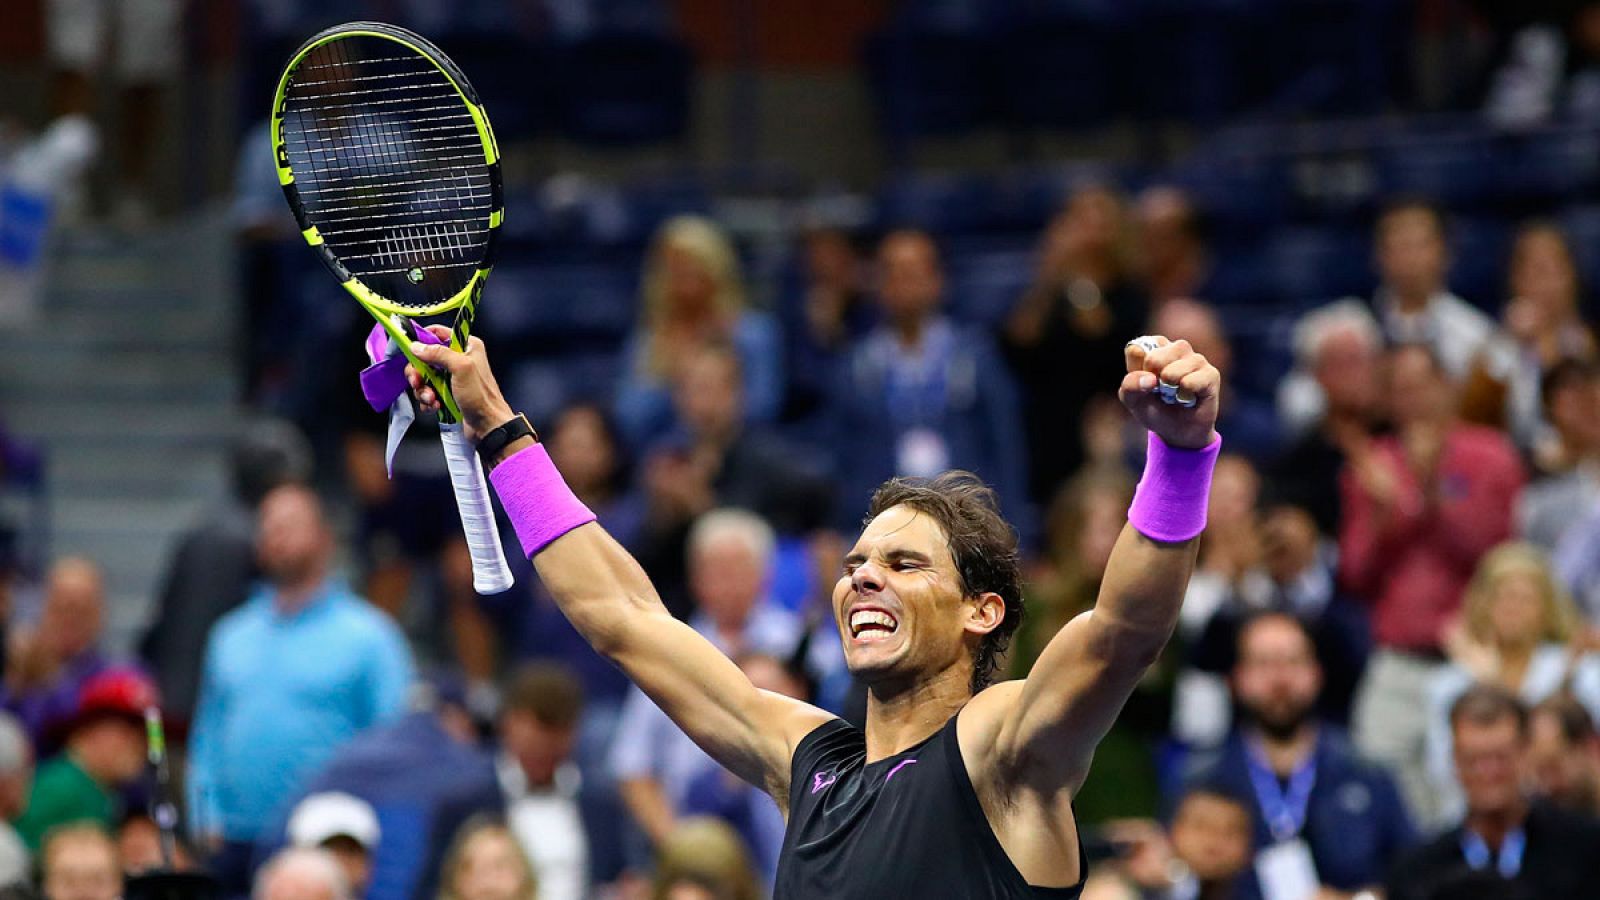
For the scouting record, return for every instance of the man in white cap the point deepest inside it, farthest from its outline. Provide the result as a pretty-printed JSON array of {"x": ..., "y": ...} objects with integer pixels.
[{"x": 344, "y": 825}]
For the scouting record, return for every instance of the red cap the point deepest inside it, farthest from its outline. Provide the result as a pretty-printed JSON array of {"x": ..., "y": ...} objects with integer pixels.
[{"x": 119, "y": 691}]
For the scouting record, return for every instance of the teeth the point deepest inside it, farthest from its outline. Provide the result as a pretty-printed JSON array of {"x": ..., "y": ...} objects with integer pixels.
[{"x": 862, "y": 618}]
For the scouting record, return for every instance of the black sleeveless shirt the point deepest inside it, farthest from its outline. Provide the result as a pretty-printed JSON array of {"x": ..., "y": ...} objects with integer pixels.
[{"x": 909, "y": 826}]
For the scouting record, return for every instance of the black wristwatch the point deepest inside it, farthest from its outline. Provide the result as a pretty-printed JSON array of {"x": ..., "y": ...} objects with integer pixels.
[{"x": 490, "y": 445}]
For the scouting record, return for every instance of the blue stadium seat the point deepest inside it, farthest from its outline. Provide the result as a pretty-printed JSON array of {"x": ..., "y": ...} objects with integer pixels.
[
  {"x": 1455, "y": 172},
  {"x": 940, "y": 203},
  {"x": 1060, "y": 65},
  {"x": 556, "y": 307},
  {"x": 1479, "y": 251},
  {"x": 1192, "y": 59},
  {"x": 1551, "y": 165},
  {"x": 621, "y": 87},
  {"x": 1307, "y": 266},
  {"x": 930, "y": 80},
  {"x": 1339, "y": 57},
  {"x": 982, "y": 286},
  {"x": 1582, "y": 224},
  {"x": 549, "y": 384}
]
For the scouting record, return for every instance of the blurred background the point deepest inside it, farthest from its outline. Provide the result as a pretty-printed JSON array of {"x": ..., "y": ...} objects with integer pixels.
[{"x": 758, "y": 257}]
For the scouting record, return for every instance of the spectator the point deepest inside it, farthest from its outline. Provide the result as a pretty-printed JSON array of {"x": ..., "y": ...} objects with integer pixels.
[
  {"x": 730, "y": 559},
  {"x": 1309, "y": 785},
  {"x": 1542, "y": 326},
  {"x": 410, "y": 528},
  {"x": 1551, "y": 71},
  {"x": 1230, "y": 552},
  {"x": 1329, "y": 404},
  {"x": 1530, "y": 844},
  {"x": 586, "y": 449},
  {"x": 713, "y": 458},
  {"x": 290, "y": 676},
  {"x": 1064, "y": 332},
  {"x": 1566, "y": 493},
  {"x": 1413, "y": 304},
  {"x": 48, "y": 667},
  {"x": 702, "y": 859},
  {"x": 16, "y": 783},
  {"x": 79, "y": 862},
  {"x": 1564, "y": 754},
  {"x": 1249, "y": 422},
  {"x": 1293, "y": 578},
  {"x": 486, "y": 863},
  {"x": 538, "y": 730},
  {"x": 693, "y": 295},
  {"x": 831, "y": 310},
  {"x": 1513, "y": 633},
  {"x": 1205, "y": 855},
  {"x": 139, "y": 848},
  {"x": 301, "y": 873},
  {"x": 1175, "y": 261},
  {"x": 343, "y": 825},
  {"x": 921, "y": 394},
  {"x": 105, "y": 752},
  {"x": 1420, "y": 508},
  {"x": 214, "y": 562},
  {"x": 425, "y": 769}
]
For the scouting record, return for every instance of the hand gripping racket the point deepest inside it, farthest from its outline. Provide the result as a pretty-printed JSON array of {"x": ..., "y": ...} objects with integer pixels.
[{"x": 390, "y": 166}]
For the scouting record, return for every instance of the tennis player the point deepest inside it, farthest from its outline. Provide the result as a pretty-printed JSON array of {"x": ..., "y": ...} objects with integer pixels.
[{"x": 958, "y": 787}]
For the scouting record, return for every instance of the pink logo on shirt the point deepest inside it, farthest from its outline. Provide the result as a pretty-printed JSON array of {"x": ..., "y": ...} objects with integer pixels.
[{"x": 822, "y": 780}]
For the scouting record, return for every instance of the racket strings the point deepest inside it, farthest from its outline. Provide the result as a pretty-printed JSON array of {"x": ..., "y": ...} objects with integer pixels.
[{"x": 390, "y": 167}]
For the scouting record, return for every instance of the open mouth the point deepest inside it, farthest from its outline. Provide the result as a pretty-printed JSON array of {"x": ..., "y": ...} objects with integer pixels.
[{"x": 872, "y": 625}]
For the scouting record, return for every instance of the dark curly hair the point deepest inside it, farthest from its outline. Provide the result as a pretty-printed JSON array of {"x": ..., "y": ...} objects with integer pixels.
[{"x": 982, "y": 544}]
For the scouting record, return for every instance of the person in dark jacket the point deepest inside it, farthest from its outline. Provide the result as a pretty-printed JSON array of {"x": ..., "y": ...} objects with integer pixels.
[
  {"x": 1316, "y": 799},
  {"x": 1517, "y": 846}
]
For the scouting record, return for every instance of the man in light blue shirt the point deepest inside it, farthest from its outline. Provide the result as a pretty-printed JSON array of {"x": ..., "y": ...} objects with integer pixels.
[{"x": 302, "y": 667}]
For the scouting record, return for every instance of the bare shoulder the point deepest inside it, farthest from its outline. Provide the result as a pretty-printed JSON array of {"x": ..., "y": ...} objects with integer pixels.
[{"x": 786, "y": 722}]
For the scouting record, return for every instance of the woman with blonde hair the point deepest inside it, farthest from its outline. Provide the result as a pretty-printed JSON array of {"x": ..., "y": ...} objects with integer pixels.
[
  {"x": 1514, "y": 631},
  {"x": 703, "y": 859},
  {"x": 485, "y": 862},
  {"x": 693, "y": 295}
]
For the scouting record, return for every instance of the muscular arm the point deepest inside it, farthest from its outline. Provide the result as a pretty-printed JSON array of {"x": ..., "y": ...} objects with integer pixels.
[
  {"x": 610, "y": 601},
  {"x": 1045, "y": 729}
]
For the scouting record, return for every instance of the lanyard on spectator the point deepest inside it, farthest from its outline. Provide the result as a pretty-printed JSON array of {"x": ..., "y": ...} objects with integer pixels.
[
  {"x": 1284, "y": 809},
  {"x": 1509, "y": 861}
]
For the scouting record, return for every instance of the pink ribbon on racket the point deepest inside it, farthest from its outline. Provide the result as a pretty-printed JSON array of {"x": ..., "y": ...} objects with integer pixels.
[{"x": 384, "y": 381}]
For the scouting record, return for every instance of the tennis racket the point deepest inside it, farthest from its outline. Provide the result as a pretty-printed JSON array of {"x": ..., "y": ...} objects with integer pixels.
[{"x": 392, "y": 171}]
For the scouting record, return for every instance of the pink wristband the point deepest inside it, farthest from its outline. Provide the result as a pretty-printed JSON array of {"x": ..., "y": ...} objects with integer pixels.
[
  {"x": 539, "y": 503},
  {"x": 1170, "y": 502}
]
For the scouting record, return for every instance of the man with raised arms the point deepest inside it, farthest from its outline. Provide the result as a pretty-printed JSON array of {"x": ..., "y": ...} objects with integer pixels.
[{"x": 957, "y": 787}]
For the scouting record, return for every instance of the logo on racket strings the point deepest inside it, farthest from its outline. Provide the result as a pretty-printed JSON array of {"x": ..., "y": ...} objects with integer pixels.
[{"x": 414, "y": 275}]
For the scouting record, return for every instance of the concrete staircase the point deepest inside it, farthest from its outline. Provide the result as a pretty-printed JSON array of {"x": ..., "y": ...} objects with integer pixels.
[{"x": 128, "y": 382}]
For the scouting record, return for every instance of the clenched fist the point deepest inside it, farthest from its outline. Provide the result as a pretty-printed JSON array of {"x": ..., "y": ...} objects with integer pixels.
[{"x": 1187, "y": 376}]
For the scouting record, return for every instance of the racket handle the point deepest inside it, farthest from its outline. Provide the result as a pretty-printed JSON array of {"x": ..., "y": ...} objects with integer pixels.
[{"x": 490, "y": 574}]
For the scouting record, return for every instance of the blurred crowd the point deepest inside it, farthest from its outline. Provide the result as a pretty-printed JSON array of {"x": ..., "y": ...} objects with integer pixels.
[
  {"x": 1387, "y": 650},
  {"x": 1386, "y": 677}
]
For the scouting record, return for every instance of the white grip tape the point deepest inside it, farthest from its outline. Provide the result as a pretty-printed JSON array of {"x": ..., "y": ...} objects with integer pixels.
[{"x": 490, "y": 574}]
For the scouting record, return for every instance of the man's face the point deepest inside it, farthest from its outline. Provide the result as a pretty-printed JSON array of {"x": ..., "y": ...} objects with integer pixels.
[
  {"x": 1288, "y": 543},
  {"x": 1418, "y": 391},
  {"x": 1346, "y": 367},
  {"x": 899, "y": 602},
  {"x": 538, "y": 748},
  {"x": 726, "y": 577},
  {"x": 292, "y": 540},
  {"x": 1489, "y": 764},
  {"x": 911, "y": 283},
  {"x": 1164, "y": 237},
  {"x": 1574, "y": 410},
  {"x": 1412, "y": 257},
  {"x": 122, "y": 746},
  {"x": 1212, "y": 837},
  {"x": 1276, "y": 678},
  {"x": 82, "y": 868},
  {"x": 74, "y": 608},
  {"x": 1564, "y": 772}
]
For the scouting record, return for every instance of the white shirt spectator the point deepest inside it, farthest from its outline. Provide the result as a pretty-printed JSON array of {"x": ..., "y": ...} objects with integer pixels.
[{"x": 549, "y": 826}]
